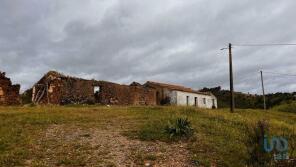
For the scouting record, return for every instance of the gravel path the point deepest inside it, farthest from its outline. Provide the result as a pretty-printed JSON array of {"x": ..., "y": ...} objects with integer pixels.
[{"x": 74, "y": 146}]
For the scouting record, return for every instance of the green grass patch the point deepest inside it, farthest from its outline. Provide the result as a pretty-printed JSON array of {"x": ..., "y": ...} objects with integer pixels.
[
  {"x": 289, "y": 107},
  {"x": 219, "y": 136}
]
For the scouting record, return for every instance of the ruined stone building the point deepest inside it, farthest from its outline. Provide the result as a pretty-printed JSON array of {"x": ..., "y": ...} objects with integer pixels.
[
  {"x": 168, "y": 94},
  {"x": 9, "y": 94},
  {"x": 56, "y": 88},
  {"x": 134, "y": 94}
]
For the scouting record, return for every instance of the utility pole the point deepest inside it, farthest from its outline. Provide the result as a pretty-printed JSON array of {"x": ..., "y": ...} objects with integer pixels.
[
  {"x": 231, "y": 79},
  {"x": 262, "y": 83}
]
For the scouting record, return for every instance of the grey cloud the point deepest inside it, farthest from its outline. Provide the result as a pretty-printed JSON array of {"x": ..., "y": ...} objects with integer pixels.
[{"x": 170, "y": 41}]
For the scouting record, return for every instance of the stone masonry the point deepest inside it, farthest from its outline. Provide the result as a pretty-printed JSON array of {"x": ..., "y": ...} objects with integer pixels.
[
  {"x": 9, "y": 94},
  {"x": 56, "y": 88}
]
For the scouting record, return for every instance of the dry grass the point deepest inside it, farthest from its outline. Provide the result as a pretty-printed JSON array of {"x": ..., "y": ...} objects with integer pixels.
[{"x": 126, "y": 136}]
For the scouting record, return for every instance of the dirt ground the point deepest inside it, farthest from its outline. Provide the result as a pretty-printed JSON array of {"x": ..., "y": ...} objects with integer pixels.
[{"x": 62, "y": 145}]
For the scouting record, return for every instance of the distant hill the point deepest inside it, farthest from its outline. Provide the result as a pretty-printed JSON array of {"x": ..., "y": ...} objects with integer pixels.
[
  {"x": 288, "y": 107},
  {"x": 255, "y": 101}
]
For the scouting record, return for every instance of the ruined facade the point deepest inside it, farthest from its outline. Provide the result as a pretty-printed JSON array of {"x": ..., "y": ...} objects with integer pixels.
[
  {"x": 112, "y": 93},
  {"x": 168, "y": 94},
  {"x": 56, "y": 88},
  {"x": 9, "y": 94}
]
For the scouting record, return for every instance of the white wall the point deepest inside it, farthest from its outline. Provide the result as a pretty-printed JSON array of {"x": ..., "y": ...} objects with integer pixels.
[{"x": 180, "y": 98}]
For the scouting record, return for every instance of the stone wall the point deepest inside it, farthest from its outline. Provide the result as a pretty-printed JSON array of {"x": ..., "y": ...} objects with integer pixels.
[
  {"x": 9, "y": 94},
  {"x": 111, "y": 93},
  {"x": 65, "y": 91},
  {"x": 141, "y": 95},
  {"x": 162, "y": 93},
  {"x": 55, "y": 88}
]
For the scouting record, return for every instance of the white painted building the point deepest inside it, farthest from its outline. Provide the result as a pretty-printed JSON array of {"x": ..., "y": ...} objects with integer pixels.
[
  {"x": 193, "y": 99},
  {"x": 182, "y": 96}
]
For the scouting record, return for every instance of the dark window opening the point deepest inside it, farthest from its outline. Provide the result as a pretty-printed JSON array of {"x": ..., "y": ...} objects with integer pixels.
[
  {"x": 97, "y": 89},
  {"x": 195, "y": 101},
  {"x": 214, "y": 105},
  {"x": 157, "y": 98},
  {"x": 204, "y": 101}
]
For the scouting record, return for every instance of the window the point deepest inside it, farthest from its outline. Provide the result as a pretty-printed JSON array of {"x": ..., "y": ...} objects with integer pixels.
[
  {"x": 195, "y": 101},
  {"x": 157, "y": 98},
  {"x": 204, "y": 100},
  {"x": 97, "y": 89},
  {"x": 187, "y": 100},
  {"x": 214, "y": 105}
]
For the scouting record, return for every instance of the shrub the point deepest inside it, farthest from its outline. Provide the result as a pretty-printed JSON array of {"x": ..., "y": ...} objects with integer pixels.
[
  {"x": 166, "y": 130},
  {"x": 26, "y": 97},
  {"x": 179, "y": 128}
]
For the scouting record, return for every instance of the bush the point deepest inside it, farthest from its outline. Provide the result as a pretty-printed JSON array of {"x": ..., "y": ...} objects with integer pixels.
[
  {"x": 26, "y": 97},
  {"x": 76, "y": 100},
  {"x": 179, "y": 128}
]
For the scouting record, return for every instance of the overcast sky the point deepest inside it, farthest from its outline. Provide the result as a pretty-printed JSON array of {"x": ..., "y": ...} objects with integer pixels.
[{"x": 174, "y": 41}]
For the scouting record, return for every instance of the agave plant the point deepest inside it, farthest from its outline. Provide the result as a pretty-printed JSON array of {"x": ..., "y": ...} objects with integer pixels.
[{"x": 181, "y": 127}]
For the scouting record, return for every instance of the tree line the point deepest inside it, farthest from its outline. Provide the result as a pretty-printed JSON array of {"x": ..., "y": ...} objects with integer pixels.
[{"x": 254, "y": 101}]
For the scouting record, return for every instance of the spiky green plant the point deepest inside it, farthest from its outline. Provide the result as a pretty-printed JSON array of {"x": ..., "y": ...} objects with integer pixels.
[{"x": 178, "y": 128}]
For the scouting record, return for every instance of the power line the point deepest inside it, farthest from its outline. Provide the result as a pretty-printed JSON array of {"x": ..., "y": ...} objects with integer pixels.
[
  {"x": 276, "y": 73},
  {"x": 273, "y": 44}
]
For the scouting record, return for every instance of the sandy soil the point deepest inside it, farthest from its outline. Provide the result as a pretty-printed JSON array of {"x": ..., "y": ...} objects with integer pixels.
[{"x": 62, "y": 145}]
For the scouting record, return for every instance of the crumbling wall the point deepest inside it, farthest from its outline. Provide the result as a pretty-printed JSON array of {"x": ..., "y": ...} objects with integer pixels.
[
  {"x": 9, "y": 94},
  {"x": 77, "y": 91},
  {"x": 161, "y": 96},
  {"x": 65, "y": 91},
  {"x": 55, "y": 88},
  {"x": 111, "y": 93},
  {"x": 141, "y": 95}
]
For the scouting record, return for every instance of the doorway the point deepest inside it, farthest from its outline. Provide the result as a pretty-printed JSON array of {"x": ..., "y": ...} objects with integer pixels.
[
  {"x": 97, "y": 90},
  {"x": 195, "y": 102}
]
